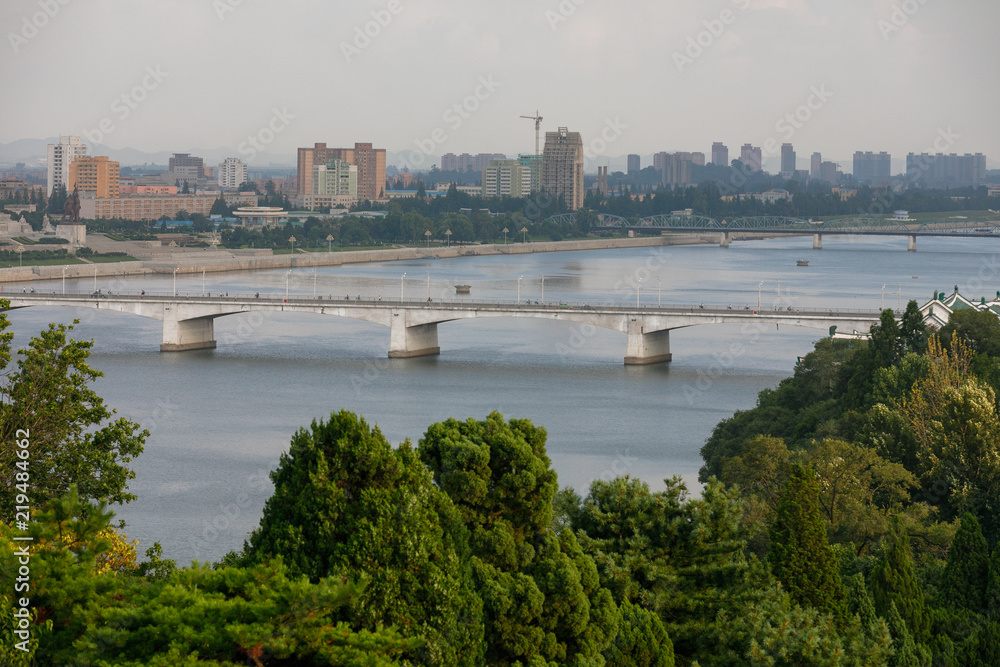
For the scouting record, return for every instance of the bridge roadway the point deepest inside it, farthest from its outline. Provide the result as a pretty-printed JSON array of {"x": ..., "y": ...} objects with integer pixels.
[
  {"x": 768, "y": 224},
  {"x": 188, "y": 321}
]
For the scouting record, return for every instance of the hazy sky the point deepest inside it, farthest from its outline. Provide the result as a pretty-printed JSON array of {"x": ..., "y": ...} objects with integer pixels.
[{"x": 447, "y": 76}]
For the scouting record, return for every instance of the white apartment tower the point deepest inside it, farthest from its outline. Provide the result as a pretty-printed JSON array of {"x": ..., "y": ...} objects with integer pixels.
[
  {"x": 60, "y": 156},
  {"x": 506, "y": 178},
  {"x": 232, "y": 173}
]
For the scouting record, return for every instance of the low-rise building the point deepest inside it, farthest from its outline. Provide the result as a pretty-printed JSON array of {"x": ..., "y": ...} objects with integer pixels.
[
  {"x": 144, "y": 207},
  {"x": 775, "y": 195}
]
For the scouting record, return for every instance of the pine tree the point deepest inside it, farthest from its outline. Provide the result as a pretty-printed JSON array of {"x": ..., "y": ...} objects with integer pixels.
[
  {"x": 894, "y": 583},
  {"x": 542, "y": 596},
  {"x": 347, "y": 503},
  {"x": 966, "y": 576},
  {"x": 642, "y": 640},
  {"x": 993, "y": 588},
  {"x": 907, "y": 653},
  {"x": 859, "y": 601},
  {"x": 800, "y": 555}
]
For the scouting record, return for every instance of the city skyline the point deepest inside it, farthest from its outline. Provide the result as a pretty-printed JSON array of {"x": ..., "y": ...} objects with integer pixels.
[{"x": 441, "y": 78}]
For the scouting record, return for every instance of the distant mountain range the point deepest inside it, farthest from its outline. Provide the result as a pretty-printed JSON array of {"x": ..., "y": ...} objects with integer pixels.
[{"x": 32, "y": 152}]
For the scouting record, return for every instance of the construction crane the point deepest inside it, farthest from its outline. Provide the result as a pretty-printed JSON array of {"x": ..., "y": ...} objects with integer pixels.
[{"x": 537, "y": 167}]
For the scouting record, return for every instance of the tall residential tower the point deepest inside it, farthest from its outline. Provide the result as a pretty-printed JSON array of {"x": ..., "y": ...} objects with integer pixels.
[{"x": 562, "y": 166}]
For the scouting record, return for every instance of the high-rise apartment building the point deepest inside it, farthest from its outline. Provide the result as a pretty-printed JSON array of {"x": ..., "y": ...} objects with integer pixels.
[
  {"x": 532, "y": 170},
  {"x": 94, "y": 177},
  {"x": 674, "y": 168},
  {"x": 829, "y": 172},
  {"x": 185, "y": 167},
  {"x": 506, "y": 178},
  {"x": 940, "y": 169},
  {"x": 787, "y": 160},
  {"x": 816, "y": 166},
  {"x": 634, "y": 164},
  {"x": 720, "y": 154},
  {"x": 562, "y": 166},
  {"x": 335, "y": 177},
  {"x": 467, "y": 162},
  {"x": 872, "y": 167},
  {"x": 369, "y": 161},
  {"x": 751, "y": 157},
  {"x": 60, "y": 156},
  {"x": 232, "y": 173}
]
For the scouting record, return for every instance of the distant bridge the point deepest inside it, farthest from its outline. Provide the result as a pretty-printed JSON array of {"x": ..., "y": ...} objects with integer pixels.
[
  {"x": 188, "y": 321},
  {"x": 859, "y": 226}
]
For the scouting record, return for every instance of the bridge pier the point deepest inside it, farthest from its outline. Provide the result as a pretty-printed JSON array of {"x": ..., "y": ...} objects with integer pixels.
[
  {"x": 912, "y": 243},
  {"x": 817, "y": 241},
  {"x": 411, "y": 341},
  {"x": 646, "y": 348},
  {"x": 725, "y": 239},
  {"x": 183, "y": 335}
]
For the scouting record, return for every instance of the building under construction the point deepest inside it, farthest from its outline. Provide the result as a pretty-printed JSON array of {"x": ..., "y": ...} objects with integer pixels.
[{"x": 562, "y": 167}]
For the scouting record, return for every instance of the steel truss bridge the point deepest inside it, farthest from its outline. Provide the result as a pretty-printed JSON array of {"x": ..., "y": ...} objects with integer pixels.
[{"x": 769, "y": 224}]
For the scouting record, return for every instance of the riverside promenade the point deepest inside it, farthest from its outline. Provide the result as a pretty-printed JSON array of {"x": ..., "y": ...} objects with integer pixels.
[{"x": 218, "y": 260}]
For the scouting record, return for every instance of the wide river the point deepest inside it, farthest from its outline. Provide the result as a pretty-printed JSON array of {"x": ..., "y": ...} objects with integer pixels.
[{"x": 220, "y": 419}]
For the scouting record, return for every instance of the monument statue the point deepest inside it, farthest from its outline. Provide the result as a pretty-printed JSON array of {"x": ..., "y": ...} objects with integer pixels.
[{"x": 72, "y": 207}]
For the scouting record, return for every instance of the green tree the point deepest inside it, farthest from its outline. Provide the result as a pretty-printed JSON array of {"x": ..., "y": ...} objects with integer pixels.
[
  {"x": 858, "y": 491},
  {"x": 912, "y": 330},
  {"x": 802, "y": 560},
  {"x": 48, "y": 404},
  {"x": 219, "y": 208},
  {"x": 966, "y": 576},
  {"x": 346, "y": 503},
  {"x": 641, "y": 641},
  {"x": 57, "y": 199},
  {"x": 964, "y": 453},
  {"x": 542, "y": 597},
  {"x": 893, "y": 582},
  {"x": 979, "y": 329},
  {"x": 197, "y": 616},
  {"x": 993, "y": 588},
  {"x": 906, "y": 652}
]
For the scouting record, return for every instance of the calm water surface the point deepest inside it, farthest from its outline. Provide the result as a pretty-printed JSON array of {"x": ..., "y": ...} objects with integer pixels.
[{"x": 220, "y": 419}]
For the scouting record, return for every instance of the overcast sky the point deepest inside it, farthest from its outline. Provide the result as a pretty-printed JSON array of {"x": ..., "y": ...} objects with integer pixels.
[{"x": 650, "y": 75}]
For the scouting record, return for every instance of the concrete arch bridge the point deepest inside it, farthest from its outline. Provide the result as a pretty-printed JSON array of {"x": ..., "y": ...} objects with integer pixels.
[{"x": 188, "y": 321}]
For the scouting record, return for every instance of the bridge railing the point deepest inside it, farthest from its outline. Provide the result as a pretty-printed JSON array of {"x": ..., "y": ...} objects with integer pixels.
[{"x": 271, "y": 298}]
